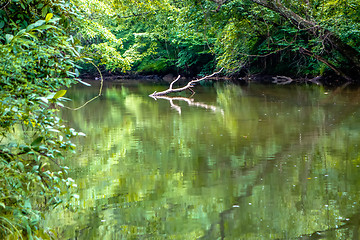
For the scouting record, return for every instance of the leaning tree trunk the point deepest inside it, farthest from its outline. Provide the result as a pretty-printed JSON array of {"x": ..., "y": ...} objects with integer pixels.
[{"x": 351, "y": 54}]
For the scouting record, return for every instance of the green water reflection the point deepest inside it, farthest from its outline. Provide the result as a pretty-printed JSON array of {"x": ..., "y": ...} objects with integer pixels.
[{"x": 254, "y": 162}]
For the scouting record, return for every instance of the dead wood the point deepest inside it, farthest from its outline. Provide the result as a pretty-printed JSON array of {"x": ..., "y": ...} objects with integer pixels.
[
  {"x": 315, "y": 80},
  {"x": 282, "y": 80},
  {"x": 188, "y": 86}
]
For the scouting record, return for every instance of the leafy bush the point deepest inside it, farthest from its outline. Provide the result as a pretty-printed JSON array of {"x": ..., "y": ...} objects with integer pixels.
[{"x": 37, "y": 58}]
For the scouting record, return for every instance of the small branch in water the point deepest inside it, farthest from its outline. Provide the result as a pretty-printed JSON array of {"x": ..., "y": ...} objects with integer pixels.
[
  {"x": 315, "y": 80},
  {"x": 282, "y": 80},
  {"x": 189, "y": 85}
]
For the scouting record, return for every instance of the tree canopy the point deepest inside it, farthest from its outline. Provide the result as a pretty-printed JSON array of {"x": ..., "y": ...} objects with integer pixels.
[{"x": 243, "y": 36}]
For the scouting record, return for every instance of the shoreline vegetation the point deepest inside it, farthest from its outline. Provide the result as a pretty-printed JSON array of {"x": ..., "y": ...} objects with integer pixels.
[{"x": 329, "y": 80}]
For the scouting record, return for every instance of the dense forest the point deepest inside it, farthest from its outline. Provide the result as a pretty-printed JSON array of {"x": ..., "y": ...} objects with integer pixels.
[
  {"x": 298, "y": 38},
  {"x": 45, "y": 46}
]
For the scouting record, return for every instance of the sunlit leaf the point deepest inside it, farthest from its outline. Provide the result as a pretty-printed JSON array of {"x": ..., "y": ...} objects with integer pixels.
[
  {"x": 44, "y": 27},
  {"x": 48, "y": 16},
  {"x": 8, "y": 38},
  {"x": 44, "y": 99},
  {"x": 22, "y": 31},
  {"x": 59, "y": 94},
  {"x": 21, "y": 166}
]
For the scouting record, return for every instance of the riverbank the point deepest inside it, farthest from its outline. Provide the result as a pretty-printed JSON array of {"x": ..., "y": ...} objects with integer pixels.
[{"x": 327, "y": 80}]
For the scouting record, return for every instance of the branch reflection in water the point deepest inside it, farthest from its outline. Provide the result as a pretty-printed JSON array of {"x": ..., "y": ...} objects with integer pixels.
[{"x": 190, "y": 102}]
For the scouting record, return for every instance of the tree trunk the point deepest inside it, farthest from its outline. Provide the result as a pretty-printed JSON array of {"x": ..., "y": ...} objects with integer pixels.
[{"x": 351, "y": 54}]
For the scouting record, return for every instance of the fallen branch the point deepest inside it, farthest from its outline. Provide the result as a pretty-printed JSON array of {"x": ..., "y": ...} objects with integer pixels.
[
  {"x": 189, "y": 85},
  {"x": 315, "y": 80},
  {"x": 282, "y": 80}
]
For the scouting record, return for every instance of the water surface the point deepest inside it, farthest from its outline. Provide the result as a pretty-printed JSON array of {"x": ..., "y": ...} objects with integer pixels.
[{"x": 235, "y": 162}]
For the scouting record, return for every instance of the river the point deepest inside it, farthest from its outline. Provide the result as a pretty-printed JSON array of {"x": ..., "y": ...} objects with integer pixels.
[{"x": 233, "y": 162}]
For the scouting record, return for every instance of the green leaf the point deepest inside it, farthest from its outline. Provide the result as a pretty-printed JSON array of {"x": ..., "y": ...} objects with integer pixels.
[
  {"x": 50, "y": 96},
  {"x": 44, "y": 99},
  {"x": 45, "y": 27},
  {"x": 2, "y": 24},
  {"x": 59, "y": 94},
  {"x": 54, "y": 19},
  {"x": 8, "y": 38},
  {"x": 21, "y": 166},
  {"x": 22, "y": 31},
  {"x": 53, "y": 130},
  {"x": 44, "y": 11},
  {"x": 37, "y": 142},
  {"x": 27, "y": 204},
  {"x": 35, "y": 25},
  {"x": 48, "y": 16},
  {"x": 26, "y": 149},
  {"x": 35, "y": 168}
]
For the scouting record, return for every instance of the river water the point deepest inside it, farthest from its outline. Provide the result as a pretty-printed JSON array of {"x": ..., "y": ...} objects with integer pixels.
[{"x": 233, "y": 162}]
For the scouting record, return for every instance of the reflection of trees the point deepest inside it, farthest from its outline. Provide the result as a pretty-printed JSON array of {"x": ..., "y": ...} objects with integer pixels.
[
  {"x": 350, "y": 226},
  {"x": 307, "y": 148},
  {"x": 261, "y": 170},
  {"x": 156, "y": 174}
]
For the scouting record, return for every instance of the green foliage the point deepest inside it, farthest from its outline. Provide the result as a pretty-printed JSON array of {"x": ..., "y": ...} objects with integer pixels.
[
  {"x": 37, "y": 57},
  {"x": 142, "y": 36},
  {"x": 195, "y": 36},
  {"x": 96, "y": 27},
  {"x": 40, "y": 52},
  {"x": 251, "y": 36}
]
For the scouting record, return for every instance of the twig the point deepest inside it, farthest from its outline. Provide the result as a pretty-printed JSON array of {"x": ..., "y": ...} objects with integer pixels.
[
  {"x": 315, "y": 80},
  {"x": 282, "y": 80},
  {"x": 100, "y": 91},
  {"x": 4, "y": 6}
]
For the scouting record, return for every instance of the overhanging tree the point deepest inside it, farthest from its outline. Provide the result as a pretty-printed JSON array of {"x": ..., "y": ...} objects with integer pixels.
[
  {"x": 326, "y": 31},
  {"x": 329, "y": 39}
]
